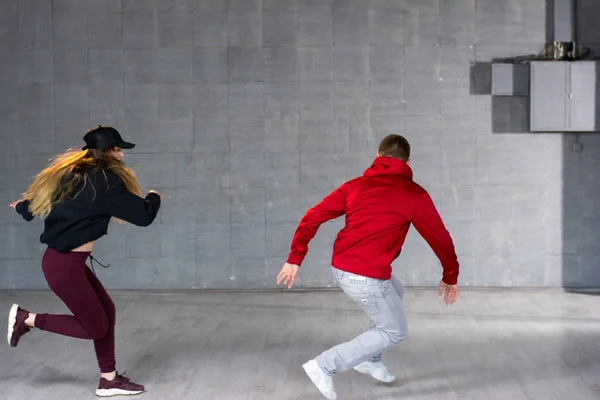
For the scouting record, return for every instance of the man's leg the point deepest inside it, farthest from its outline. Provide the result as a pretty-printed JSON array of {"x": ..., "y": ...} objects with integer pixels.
[
  {"x": 399, "y": 287},
  {"x": 383, "y": 304}
]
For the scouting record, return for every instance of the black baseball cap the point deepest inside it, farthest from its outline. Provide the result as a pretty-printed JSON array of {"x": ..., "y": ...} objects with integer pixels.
[{"x": 104, "y": 137}]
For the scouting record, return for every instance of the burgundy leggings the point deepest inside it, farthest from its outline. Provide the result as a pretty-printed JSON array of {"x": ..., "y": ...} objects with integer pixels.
[{"x": 93, "y": 310}]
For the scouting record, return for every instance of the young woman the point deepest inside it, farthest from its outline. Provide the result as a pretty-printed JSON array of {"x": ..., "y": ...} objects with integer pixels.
[{"x": 78, "y": 194}]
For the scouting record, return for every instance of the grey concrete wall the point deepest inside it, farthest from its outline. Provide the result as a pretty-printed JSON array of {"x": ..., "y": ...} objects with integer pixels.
[{"x": 247, "y": 112}]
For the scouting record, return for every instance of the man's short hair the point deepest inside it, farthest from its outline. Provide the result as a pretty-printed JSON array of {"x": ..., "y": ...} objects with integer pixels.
[{"x": 395, "y": 146}]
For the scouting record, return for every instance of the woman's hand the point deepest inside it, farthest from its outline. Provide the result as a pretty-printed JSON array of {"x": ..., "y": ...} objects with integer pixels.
[
  {"x": 154, "y": 191},
  {"x": 14, "y": 204}
]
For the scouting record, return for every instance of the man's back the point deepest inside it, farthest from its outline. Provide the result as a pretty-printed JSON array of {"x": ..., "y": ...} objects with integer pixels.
[{"x": 379, "y": 208}]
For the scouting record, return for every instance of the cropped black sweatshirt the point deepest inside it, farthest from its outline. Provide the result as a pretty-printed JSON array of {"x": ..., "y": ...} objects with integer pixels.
[{"x": 84, "y": 216}]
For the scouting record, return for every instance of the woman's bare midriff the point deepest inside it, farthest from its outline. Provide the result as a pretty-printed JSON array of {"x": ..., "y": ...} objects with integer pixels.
[{"x": 84, "y": 248}]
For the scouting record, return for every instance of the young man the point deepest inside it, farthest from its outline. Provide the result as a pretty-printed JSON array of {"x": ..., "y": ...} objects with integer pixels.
[{"x": 379, "y": 207}]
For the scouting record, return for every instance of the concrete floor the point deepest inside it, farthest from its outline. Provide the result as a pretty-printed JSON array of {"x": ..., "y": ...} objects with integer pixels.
[{"x": 494, "y": 344}]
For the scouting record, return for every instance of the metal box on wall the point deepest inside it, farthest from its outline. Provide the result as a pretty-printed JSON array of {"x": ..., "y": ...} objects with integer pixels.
[
  {"x": 565, "y": 96},
  {"x": 510, "y": 79}
]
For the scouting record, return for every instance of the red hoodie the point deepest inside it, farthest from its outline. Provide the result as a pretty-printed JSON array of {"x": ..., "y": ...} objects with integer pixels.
[{"x": 379, "y": 208}]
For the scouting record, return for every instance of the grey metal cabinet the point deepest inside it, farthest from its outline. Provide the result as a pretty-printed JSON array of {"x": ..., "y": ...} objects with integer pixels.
[
  {"x": 564, "y": 96},
  {"x": 548, "y": 107},
  {"x": 583, "y": 97}
]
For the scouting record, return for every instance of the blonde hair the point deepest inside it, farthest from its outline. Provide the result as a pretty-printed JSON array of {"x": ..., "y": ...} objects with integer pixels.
[{"x": 67, "y": 175}]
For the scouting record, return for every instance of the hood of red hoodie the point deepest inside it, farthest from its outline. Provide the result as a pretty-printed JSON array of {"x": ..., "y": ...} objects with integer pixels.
[{"x": 388, "y": 166}]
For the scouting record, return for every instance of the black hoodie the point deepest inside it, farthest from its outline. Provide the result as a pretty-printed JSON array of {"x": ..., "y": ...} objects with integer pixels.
[{"x": 84, "y": 217}]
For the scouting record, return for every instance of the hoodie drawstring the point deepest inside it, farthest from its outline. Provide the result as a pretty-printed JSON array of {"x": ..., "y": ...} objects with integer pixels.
[{"x": 92, "y": 259}]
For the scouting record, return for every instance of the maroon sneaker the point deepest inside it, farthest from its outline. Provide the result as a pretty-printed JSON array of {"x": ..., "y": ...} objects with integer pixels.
[
  {"x": 120, "y": 386},
  {"x": 16, "y": 325}
]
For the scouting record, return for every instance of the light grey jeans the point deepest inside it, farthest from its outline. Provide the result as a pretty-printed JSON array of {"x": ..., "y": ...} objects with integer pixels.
[{"x": 382, "y": 301}]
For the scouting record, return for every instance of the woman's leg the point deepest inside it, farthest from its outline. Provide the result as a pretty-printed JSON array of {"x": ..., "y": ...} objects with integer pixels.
[
  {"x": 66, "y": 275},
  {"x": 105, "y": 346},
  {"x": 111, "y": 383},
  {"x": 93, "y": 315}
]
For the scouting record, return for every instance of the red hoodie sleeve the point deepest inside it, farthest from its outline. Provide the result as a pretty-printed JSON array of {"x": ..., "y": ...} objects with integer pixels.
[
  {"x": 331, "y": 207},
  {"x": 428, "y": 223}
]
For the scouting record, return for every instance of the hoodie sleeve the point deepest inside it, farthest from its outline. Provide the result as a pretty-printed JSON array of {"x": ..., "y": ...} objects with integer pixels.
[
  {"x": 23, "y": 209},
  {"x": 130, "y": 207},
  {"x": 331, "y": 207},
  {"x": 428, "y": 223}
]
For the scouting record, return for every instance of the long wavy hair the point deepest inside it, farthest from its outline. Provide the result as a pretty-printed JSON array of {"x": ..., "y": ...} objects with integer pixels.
[{"x": 69, "y": 173}]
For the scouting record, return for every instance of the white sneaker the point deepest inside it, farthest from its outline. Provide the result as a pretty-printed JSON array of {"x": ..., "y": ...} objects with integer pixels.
[
  {"x": 322, "y": 381},
  {"x": 377, "y": 370}
]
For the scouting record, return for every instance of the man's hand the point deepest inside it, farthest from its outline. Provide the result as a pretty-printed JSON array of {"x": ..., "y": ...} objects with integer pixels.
[
  {"x": 450, "y": 292},
  {"x": 14, "y": 204},
  {"x": 288, "y": 274}
]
